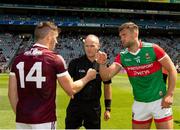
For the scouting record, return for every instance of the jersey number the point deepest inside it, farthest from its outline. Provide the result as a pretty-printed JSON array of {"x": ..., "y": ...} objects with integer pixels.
[{"x": 38, "y": 78}]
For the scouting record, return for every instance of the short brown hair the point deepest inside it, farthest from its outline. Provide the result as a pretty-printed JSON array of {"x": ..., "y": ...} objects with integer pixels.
[
  {"x": 43, "y": 28},
  {"x": 128, "y": 25}
]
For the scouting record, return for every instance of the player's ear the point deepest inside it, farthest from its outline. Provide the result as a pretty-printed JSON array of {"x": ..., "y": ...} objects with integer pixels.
[
  {"x": 49, "y": 36},
  {"x": 136, "y": 33}
]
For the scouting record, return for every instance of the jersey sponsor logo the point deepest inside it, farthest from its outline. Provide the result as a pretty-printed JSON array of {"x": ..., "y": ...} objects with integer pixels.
[
  {"x": 82, "y": 71},
  {"x": 127, "y": 60},
  {"x": 143, "y": 70},
  {"x": 140, "y": 67},
  {"x": 33, "y": 52}
]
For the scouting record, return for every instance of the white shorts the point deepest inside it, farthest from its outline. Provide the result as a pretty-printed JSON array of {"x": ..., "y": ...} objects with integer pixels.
[
  {"x": 145, "y": 112},
  {"x": 42, "y": 126}
]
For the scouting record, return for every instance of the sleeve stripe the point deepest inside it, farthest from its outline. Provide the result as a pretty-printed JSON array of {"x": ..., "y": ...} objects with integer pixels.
[
  {"x": 62, "y": 74},
  {"x": 162, "y": 57},
  {"x": 12, "y": 73},
  {"x": 117, "y": 63}
]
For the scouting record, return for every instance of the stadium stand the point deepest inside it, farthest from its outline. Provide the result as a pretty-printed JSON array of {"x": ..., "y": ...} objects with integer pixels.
[
  {"x": 71, "y": 46},
  {"x": 159, "y": 23}
]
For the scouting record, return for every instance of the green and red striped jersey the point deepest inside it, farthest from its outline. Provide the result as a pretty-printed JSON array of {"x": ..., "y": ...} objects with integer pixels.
[{"x": 144, "y": 71}]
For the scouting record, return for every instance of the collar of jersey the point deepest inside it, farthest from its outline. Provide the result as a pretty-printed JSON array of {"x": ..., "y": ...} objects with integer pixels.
[
  {"x": 135, "y": 53},
  {"x": 85, "y": 56},
  {"x": 40, "y": 45}
]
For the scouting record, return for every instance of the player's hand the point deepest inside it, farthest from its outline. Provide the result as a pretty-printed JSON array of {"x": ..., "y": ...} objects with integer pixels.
[
  {"x": 91, "y": 74},
  {"x": 107, "y": 115},
  {"x": 101, "y": 57},
  {"x": 167, "y": 101}
]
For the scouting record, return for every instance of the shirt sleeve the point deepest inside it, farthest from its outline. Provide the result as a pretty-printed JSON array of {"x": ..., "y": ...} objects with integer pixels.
[
  {"x": 61, "y": 67},
  {"x": 117, "y": 59},
  {"x": 160, "y": 53},
  {"x": 13, "y": 67}
]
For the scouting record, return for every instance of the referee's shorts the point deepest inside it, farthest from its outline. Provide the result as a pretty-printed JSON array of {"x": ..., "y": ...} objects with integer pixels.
[{"x": 83, "y": 113}]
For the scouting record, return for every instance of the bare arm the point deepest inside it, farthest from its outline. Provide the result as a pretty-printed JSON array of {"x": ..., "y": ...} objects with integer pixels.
[
  {"x": 172, "y": 77},
  {"x": 71, "y": 87},
  {"x": 108, "y": 97},
  {"x": 12, "y": 92},
  {"x": 108, "y": 72}
]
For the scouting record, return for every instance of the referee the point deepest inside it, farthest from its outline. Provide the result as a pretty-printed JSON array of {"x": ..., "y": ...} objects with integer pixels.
[{"x": 85, "y": 109}]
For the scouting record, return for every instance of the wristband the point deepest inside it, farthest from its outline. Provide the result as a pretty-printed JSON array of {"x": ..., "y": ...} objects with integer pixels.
[
  {"x": 108, "y": 104},
  {"x": 108, "y": 109}
]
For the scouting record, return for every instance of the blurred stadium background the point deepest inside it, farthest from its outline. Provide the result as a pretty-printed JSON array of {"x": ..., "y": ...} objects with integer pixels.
[{"x": 159, "y": 22}]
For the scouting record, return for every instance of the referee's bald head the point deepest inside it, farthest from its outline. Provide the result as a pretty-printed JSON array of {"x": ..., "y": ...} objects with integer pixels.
[{"x": 92, "y": 38}]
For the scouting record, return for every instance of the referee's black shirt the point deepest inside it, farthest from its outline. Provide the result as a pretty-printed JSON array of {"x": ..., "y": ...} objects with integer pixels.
[{"x": 78, "y": 69}]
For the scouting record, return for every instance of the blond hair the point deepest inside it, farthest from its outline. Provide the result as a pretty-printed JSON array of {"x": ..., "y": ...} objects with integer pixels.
[
  {"x": 43, "y": 29},
  {"x": 129, "y": 25}
]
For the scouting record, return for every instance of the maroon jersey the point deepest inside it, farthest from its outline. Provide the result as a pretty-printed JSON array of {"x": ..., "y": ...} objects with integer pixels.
[{"x": 36, "y": 71}]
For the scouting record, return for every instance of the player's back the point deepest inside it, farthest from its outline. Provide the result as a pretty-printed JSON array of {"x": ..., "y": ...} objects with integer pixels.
[{"x": 36, "y": 82}]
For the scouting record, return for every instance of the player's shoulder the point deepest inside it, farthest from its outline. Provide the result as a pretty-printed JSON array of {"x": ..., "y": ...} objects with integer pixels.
[
  {"x": 19, "y": 56},
  {"x": 124, "y": 51},
  {"x": 51, "y": 54},
  {"x": 58, "y": 56},
  {"x": 147, "y": 44}
]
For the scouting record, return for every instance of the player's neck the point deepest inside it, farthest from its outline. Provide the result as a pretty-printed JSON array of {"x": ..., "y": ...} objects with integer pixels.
[
  {"x": 42, "y": 42},
  {"x": 135, "y": 47}
]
